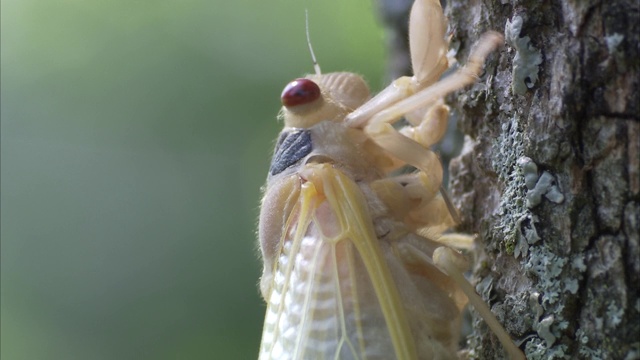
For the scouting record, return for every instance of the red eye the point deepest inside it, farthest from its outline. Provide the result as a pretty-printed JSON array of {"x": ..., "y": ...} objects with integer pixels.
[{"x": 299, "y": 92}]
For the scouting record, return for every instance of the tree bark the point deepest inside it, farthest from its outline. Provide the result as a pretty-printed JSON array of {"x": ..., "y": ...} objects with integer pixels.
[{"x": 549, "y": 174}]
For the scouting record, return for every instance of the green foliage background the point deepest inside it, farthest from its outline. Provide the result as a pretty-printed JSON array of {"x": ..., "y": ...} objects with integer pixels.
[{"x": 135, "y": 138}]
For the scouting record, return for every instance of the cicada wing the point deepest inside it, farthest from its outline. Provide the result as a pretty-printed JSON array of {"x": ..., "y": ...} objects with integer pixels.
[{"x": 332, "y": 296}]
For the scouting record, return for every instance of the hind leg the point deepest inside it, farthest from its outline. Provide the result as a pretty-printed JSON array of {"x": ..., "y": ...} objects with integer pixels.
[{"x": 453, "y": 264}]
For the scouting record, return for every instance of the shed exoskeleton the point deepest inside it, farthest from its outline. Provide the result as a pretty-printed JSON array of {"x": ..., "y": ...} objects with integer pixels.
[{"x": 348, "y": 271}]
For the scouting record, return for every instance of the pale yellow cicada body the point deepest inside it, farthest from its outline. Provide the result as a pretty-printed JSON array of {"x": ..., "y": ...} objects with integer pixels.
[{"x": 355, "y": 263}]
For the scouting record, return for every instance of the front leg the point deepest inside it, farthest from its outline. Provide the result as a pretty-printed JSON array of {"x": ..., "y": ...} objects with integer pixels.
[
  {"x": 429, "y": 46},
  {"x": 379, "y": 127}
]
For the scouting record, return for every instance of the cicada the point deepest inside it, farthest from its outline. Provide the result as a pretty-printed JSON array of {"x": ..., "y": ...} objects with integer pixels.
[{"x": 356, "y": 261}]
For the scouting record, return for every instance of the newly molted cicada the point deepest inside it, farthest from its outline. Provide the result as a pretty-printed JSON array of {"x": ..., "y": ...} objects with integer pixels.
[{"x": 356, "y": 265}]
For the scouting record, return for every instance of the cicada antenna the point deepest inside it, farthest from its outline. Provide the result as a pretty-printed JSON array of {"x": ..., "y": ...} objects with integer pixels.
[{"x": 316, "y": 67}]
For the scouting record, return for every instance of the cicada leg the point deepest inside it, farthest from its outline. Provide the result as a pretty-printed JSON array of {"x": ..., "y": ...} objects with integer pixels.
[
  {"x": 453, "y": 264},
  {"x": 429, "y": 46},
  {"x": 379, "y": 127},
  {"x": 427, "y": 127},
  {"x": 410, "y": 200},
  {"x": 450, "y": 265}
]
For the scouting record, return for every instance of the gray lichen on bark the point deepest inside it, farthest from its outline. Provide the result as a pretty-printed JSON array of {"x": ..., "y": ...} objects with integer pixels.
[{"x": 549, "y": 175}]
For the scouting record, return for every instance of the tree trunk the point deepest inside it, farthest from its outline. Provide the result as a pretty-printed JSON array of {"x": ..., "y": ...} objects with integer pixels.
[{"x": 549, "y": 175}]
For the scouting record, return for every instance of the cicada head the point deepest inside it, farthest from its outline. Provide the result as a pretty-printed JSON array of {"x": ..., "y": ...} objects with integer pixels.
[{"x": 314, "y": 98}]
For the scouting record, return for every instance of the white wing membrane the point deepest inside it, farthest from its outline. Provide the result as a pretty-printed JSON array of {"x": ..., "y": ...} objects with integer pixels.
[
  {"x": 322, "y": 303},
  {"x": 332, "y": 295}
]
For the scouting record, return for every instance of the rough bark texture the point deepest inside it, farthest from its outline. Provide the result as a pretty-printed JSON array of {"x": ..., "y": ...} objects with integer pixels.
[{"x": 549, "y": 175}]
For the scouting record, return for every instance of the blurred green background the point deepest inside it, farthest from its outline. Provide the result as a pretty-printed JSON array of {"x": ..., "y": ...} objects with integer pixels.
[{"x": 135, "y": 138}]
